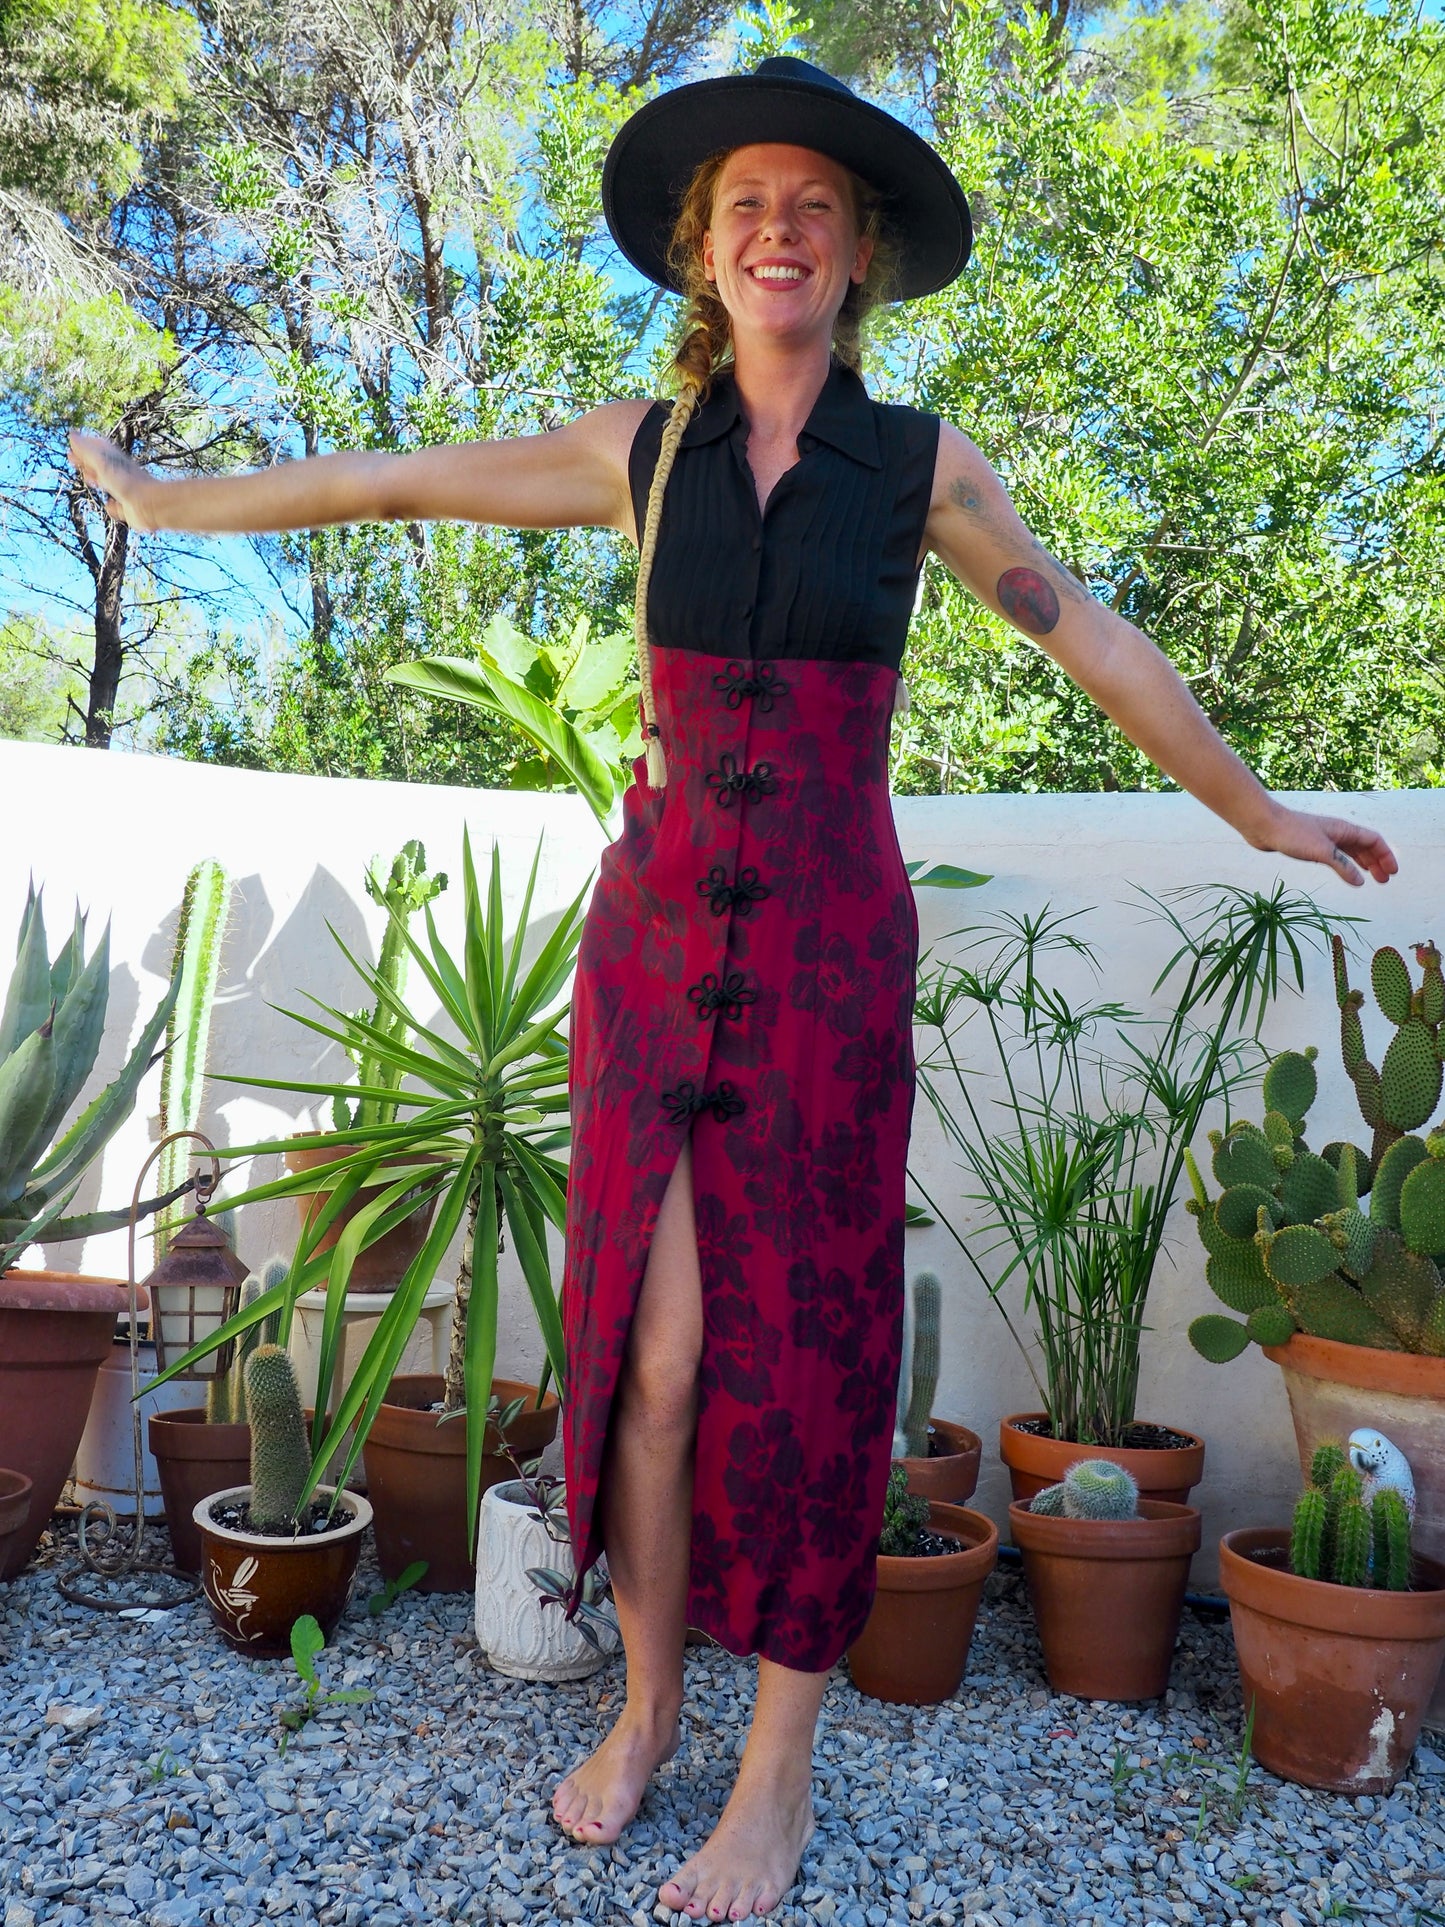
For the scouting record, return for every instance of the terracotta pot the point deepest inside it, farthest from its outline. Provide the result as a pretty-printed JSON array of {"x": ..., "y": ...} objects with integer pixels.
[
  {"x": 1339, "y": 1676},
  {"x": 950, "y": 1473},
  {"x": 1333, "y": 1388},
  {"x": 1035, "y": 1462},
  {"x": 257, "y": 1587},
  {"x": 1107, "y": 1595},
  {"x": 520, "y": 1635},
  {"x": 914, "y": 1647},
  {"x": 416, "y": 1475},
  {"x": 380, "y": 1267},
  {"x": 15, "y": 1491},
  {"x": 194, "y": 1460},
  {"x": 55, "y": 1332}
]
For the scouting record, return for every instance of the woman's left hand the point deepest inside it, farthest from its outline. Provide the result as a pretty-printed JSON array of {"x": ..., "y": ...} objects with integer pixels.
[{"x": 1344, "y": 847}]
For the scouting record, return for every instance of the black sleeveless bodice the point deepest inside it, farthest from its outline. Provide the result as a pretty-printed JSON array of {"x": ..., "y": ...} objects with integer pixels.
[{"x": 831, "y": 570}]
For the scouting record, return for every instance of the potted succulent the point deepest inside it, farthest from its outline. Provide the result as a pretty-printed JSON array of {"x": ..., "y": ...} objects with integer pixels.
[
  {"x": 1335, "y": 1263},
  {"x": 268, "y": 1553},
  {"x": 379, "y": 1265},
  {"x": 1106, "y": 1573},
  {"x": 1339, "y": 1626},
  {"x": 55, "y": 1327},
  {"x": 201, "y": 1449},
  {"x": 1076, "y": 1141},
  {"x": 941, "y": 1459},
  {"x": 479, "y": 1125},
  {"x": 933, "y": 1559},
  {"x": 525, "y": 1565}
]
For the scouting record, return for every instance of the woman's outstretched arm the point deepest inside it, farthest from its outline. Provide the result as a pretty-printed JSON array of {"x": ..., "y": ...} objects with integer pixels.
[
  {"x": 975, "y": 530},
  {"x": 573, "y": 477}
]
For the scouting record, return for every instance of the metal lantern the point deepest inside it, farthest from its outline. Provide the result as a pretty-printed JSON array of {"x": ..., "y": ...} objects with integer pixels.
[{"x": 196, "y": 1287}]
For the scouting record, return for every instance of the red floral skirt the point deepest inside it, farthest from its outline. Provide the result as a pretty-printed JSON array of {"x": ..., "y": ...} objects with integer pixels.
[{"x": 746, "y": 977}]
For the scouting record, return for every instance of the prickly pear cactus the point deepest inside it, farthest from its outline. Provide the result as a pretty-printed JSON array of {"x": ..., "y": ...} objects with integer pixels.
[{"x": 1350, "y": 1244}]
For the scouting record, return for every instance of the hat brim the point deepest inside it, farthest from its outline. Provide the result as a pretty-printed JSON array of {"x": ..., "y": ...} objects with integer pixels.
[{"x": 656, "y": 153}]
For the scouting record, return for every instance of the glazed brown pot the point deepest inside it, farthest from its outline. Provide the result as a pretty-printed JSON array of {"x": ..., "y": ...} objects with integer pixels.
[
  {"x": 1035, "y": 1462},
  {"x": 1338, "y": 1676},
  {"x": 1107, "y": 1595},
  {"x": 1333, "y": 1388},
  {"x": 257, "y": 1587},
  {"x": 55, "y": 1333},
  {"x": 194, "y": 1460},
  {"x": 914, "y": 1647},
  {"x": 15, "y": 1491},
  {"x": 380, "y": 1266},
  {"x": 951, "y": 1472},
  {"x": 416, "y": 1475}
]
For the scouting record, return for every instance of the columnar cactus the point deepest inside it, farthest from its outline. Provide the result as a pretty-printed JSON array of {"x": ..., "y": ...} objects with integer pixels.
[
  {"x": 280, "y": 1451},
  {"x": 1291, "y": 1248},
  {"x": 196, "y": 963},
  {"x": 1336, "y": 1536},
  {"x": 1091, "y": 1489},
  {"x": 226, "y": 1393},
  {"x": 923, "y": 1377},
  {"x": 406, "y": 889}
]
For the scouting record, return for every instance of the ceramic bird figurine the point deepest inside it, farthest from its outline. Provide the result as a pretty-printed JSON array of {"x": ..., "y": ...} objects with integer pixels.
[{"x": 1381, "y": 1463}]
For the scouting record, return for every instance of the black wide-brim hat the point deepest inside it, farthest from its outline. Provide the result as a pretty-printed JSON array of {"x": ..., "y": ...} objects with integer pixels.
[{"x": 784, "y": 100}]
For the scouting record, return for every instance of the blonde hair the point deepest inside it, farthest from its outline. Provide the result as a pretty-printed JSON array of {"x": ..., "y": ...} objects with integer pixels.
[{"x": 705, "y": 348}]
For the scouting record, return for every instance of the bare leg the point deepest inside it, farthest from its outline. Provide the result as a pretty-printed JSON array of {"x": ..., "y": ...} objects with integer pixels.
[
  {"x": 752, "y": 1858},
  {"x": 646, "y": 1495}
]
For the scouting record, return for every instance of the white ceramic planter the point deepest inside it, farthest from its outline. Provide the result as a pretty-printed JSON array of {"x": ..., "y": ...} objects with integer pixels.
[
  {"x": 519, "y": 1635},
  {"x": 105, "y": 1458}
]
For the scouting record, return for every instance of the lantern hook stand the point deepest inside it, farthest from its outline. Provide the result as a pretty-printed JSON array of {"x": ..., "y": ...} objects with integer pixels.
[{"x": 116, "y": 1567}]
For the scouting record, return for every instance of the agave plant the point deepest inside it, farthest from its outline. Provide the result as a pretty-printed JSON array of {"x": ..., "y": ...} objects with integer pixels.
[
  {"x": 480, "y": 1119},
  {"x": 50, "y": 1033}
]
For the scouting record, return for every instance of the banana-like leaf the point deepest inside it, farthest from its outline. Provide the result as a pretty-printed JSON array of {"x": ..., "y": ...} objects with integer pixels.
[
  {"x": 490, "y": 689},
  {"x": 944, "y": 876}
]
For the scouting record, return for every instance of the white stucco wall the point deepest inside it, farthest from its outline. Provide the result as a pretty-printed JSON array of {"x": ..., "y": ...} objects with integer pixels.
[{"x": 121, "y": 833}]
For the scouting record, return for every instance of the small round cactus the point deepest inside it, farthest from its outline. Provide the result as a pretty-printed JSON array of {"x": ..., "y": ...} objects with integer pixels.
[{"x": 1091, "y": 1489}]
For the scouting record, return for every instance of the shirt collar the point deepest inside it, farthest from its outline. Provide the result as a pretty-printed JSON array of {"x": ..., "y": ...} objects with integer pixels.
[{"x": 842, "y": 416}]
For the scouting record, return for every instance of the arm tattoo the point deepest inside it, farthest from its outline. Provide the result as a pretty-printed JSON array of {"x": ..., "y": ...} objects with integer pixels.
[
  {"x": 1026, "y": 599},
  {"x": 964, "y": 496}
]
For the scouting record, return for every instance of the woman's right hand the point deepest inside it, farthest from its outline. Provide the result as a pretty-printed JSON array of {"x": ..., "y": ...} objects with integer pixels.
[{"x": 129, "y": 487}]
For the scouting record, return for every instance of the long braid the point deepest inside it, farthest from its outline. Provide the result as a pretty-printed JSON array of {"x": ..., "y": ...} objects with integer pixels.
[{"x": 677, "y": 421}]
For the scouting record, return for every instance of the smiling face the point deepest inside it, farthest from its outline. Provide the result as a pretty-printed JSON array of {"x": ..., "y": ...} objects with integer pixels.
[{"x": 784, "y": 244}]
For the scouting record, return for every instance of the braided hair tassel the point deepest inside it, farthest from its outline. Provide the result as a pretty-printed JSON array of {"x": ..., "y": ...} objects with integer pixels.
[{"x": 677, "y": 421}]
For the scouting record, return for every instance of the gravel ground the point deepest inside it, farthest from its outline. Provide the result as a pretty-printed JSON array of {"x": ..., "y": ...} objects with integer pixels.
[{"x": 140, "y": 1779}]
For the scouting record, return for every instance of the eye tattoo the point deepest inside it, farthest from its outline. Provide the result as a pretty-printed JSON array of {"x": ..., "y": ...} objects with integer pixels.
[{"x": 1028, "y": 600}]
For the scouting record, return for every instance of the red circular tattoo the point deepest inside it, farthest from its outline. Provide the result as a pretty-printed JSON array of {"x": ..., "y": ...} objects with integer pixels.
[{"x": 1028, "y": 600}]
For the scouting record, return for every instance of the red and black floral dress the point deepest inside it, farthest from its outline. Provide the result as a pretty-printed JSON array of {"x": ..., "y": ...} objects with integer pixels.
[{"x": 746, "y": 976}]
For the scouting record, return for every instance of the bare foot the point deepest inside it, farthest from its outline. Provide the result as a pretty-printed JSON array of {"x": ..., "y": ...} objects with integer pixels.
[
  {"x": 598, "y": 1799},
  {"x": 751, "y": 1859}
]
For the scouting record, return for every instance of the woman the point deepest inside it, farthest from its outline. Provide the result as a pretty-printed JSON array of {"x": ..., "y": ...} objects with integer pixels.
[{"x": 742, "y": 1069}]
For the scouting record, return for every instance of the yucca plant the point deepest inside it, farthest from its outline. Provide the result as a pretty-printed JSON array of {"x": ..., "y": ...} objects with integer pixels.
[
  {"x": 50, "y": 1035},
  {"x": 480, "y": 1120}
]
